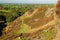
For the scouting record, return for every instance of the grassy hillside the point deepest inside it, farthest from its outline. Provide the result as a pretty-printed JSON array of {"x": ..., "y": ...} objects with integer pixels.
[{"x": 27, "y": 22}]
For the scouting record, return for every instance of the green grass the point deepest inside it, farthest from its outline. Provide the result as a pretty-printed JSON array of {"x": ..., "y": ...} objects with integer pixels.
[
  {"x": 24, "y": 28},
  {"x": 49, "y": 34},
  {"x": 45, "y": 35}
]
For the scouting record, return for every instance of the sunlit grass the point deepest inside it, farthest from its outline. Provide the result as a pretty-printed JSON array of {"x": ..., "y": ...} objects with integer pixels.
[
  {"x": 49, "y": 34},
  {"x": 24, "y": 28}
]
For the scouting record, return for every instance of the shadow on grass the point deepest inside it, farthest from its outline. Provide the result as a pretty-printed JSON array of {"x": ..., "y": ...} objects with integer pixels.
[{"x": 2, "y": 23}]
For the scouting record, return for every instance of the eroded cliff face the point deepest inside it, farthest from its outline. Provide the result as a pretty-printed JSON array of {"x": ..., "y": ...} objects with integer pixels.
[{"x": 57, "y": 6}]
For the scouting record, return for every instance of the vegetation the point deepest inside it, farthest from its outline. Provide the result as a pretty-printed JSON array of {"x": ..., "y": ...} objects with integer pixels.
[{"x": 12, "y": 11}]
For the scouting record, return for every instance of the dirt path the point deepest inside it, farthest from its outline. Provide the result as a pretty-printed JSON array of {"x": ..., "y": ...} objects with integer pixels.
[
  {"x": 42, "y": 27},
  {"x": 26, "y": 15},
  {"x": 57, "y": 37}
]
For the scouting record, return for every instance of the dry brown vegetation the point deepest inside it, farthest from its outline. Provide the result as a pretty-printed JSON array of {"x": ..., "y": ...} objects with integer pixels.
[{"x": 35, "y": 22}]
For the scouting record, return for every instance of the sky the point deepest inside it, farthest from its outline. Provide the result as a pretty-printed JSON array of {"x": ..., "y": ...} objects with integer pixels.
[{"x": 29, "y": 1}]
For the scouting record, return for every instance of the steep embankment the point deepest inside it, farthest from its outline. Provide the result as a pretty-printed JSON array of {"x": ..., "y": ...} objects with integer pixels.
[{"x": 36, "y": 22}]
